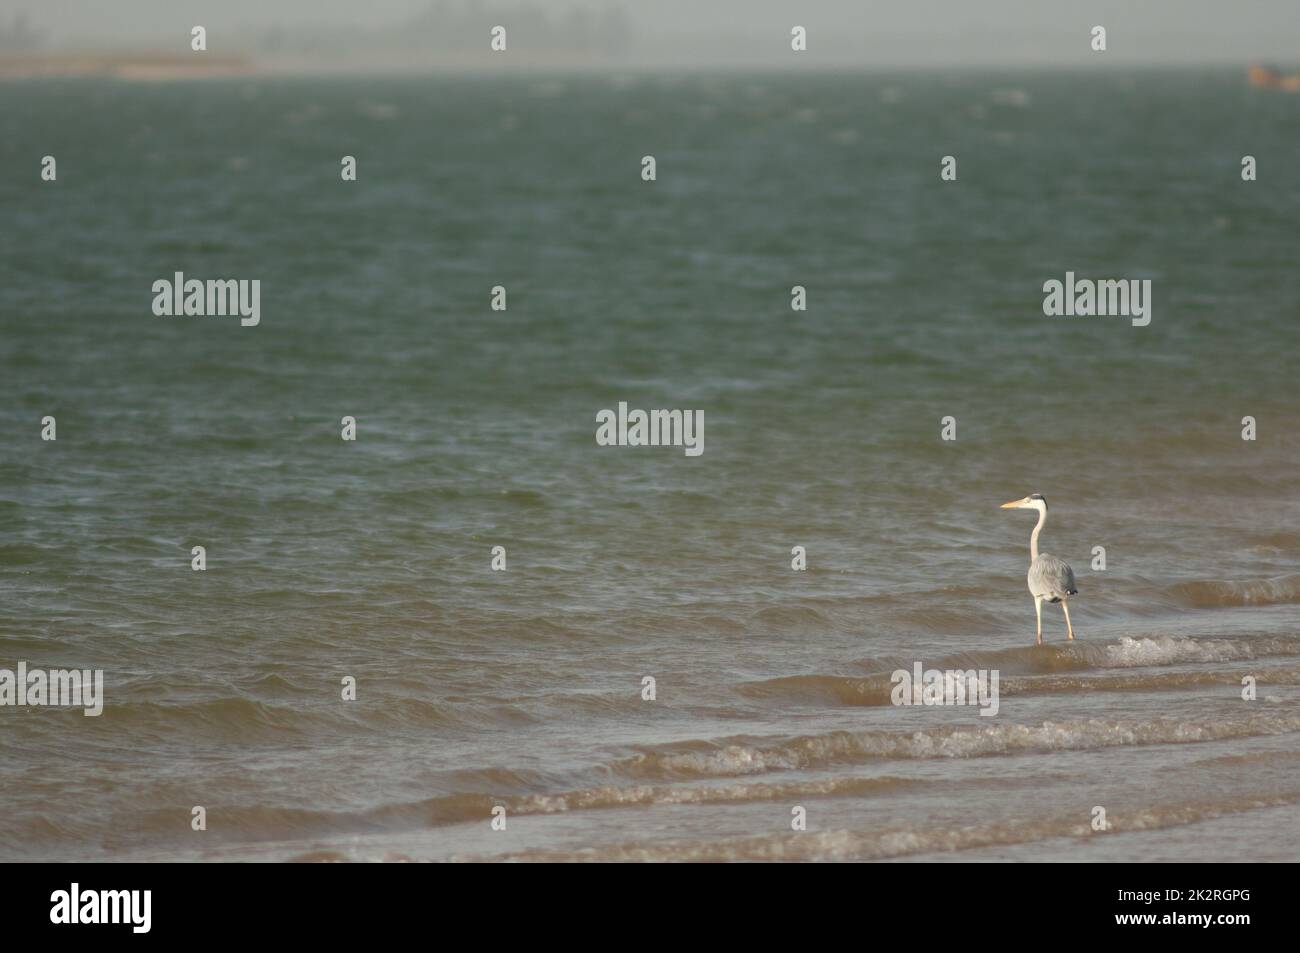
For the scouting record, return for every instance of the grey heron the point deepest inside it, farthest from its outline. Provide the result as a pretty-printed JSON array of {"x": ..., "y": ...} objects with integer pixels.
[{"x": 1049, "y": 578}]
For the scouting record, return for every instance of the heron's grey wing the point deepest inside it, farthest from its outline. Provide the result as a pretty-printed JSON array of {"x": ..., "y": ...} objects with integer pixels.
[
  {"x": 1051, "y": 577},
  {"x": 1070, "y": 588}
]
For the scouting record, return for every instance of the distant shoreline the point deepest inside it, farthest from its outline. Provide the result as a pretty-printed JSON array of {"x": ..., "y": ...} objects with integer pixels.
[
  {"x": 194, "y": 66},
  {"x": 139, "y": 66},
  {"x": 167, "y": 67}
]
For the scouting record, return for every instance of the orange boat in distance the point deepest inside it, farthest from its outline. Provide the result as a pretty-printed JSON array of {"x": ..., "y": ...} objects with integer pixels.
[{"x": 1266, "y": 78}]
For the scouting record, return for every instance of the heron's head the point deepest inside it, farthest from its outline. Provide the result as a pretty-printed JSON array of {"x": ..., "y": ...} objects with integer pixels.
[{"x": 1034, "y": 501}]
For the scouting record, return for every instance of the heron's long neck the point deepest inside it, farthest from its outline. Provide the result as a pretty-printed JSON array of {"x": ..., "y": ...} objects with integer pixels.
[{"x": 1033, "y": 537}]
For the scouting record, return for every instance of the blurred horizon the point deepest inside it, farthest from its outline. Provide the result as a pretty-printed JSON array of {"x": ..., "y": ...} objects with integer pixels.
[{"x": 414, "y": 35}]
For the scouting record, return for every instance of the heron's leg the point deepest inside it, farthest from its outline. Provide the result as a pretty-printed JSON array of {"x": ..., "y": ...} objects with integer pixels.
[
  {"x": 1038, "y": 611},
  {"x": 1066, "y": 609}
]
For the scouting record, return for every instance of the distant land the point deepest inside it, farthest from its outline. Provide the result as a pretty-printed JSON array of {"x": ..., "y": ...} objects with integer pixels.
[
  {"x": 443, "y": 37},
  {"x": 130, "y": 66},
  {"x": 454, "y": 36}
]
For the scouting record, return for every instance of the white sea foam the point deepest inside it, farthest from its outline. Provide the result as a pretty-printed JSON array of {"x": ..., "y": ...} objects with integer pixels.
[{"x": 965, "y": 742}]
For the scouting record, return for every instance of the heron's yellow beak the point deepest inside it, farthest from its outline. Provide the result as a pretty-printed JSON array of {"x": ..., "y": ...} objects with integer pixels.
[{"x": 1014, "y": 504}]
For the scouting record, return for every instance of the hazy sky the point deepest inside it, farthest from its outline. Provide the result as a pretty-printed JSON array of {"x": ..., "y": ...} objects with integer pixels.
[{"x": 704, "y": 33}]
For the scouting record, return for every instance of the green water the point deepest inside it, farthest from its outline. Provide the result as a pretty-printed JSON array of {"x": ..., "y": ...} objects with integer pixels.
[{"x": 475, "y": 428}]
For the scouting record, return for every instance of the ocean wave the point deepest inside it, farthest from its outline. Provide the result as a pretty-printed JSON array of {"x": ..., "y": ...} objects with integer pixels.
[
  {"x": 877, "y": 690},
  {"x": 248, "y": 720},
  {"x": 639, "y": 795},
  {"x": 1217, "y": 594},
  {"x": 903, "y": 841},
  {"x": 1081, "y": 655},
  {"x": 252, "y": 823},
  {"x": 656, "y": 776},
  {"x": 710, "y": 759}
]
